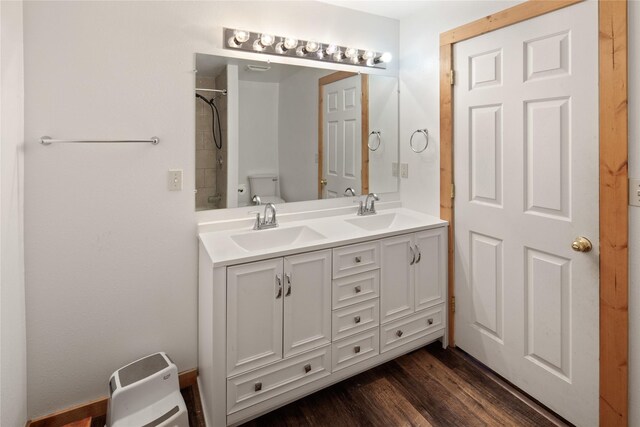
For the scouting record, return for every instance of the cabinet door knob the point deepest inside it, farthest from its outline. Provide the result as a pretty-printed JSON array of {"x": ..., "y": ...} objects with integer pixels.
[
  {"x": 358, "y": 289},
  {"x": 358, "y": 259},
  {"x": 356, "y": 319},
  {"x": 356, "y": 349},
  {"x": 257, "y": 387},
  {"x": 307, "y": 368},
  {"x": 430, "y": 321},
  {"x": 399, "y": 333}
]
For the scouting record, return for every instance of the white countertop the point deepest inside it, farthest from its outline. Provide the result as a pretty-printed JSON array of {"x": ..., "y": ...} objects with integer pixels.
[{"x": 336, "y": 231}]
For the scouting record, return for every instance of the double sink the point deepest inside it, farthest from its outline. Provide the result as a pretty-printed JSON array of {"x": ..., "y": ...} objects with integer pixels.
[{"x": 304, "y": 234}]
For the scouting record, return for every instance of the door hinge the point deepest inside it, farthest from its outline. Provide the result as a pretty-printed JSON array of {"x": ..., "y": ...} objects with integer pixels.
[
  {"x": 453, "y": 304},
  {"x": 453, "y": 191},
  {"x": 452, "y": 77}
]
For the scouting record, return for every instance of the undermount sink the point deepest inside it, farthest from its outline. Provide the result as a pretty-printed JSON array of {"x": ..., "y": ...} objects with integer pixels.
[
  {"x": 267, "y": 239},
  {"x": 381, "y": 221}
]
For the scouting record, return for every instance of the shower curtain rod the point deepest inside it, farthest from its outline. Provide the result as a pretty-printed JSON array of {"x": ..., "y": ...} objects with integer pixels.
[{"x": 222, "y": 91}]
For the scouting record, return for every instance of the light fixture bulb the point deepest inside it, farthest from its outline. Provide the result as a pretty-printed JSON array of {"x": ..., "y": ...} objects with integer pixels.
[
  {"x": 385, "y": 57},
  {"x": 241, "y": 36},
  {"x": 351, "y": 52},
  {"x": 257, "y": 46},
  {"x": 368, "y": 54},
  {"x": 331, "y": 49},
  {"x": 280, "y": 48},
  {"x": 290, "y": 43},
  {"x": 311, "y": 46},
  {"x": 266, "y": 40}
]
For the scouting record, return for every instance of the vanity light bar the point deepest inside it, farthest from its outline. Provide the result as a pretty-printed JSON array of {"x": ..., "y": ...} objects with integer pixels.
[{"x": 308, "y": 49}]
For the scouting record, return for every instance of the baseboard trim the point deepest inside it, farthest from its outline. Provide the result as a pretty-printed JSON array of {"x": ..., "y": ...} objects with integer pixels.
[{"x": 95, "y": 408}]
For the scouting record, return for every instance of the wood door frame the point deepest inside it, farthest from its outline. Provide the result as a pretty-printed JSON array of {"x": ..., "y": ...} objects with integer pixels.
[
  {"x": 614, "y": 216},
  {"x": 364, "y": 122}
]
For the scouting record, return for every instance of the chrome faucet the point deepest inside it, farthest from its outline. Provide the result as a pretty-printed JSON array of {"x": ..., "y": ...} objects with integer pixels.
[
  {"x": 256, "y": 200},
  {"x": 266, "y": 221},
  {"x": 349, "y": 192},
  {"x": 367, "y": 208}
]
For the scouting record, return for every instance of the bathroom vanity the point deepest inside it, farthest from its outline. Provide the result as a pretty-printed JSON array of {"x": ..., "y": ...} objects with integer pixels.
[{"x": 328, "y": 294}]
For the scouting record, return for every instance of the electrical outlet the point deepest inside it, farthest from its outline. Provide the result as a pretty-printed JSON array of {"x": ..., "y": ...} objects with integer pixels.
[
  {"x": 174, "y": 179},
  {"x": 404, "y": 170},
  {"x": 634, "y": 192},
  {"x": 394, "y": 169}
]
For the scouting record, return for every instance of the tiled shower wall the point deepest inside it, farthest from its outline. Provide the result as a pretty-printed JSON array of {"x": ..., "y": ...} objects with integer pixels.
[
  {"x": 221, "y": 155},
  {"x": 211, "y": 171}
]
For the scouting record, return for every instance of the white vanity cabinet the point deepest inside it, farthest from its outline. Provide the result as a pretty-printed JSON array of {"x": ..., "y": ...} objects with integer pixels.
[
  {"x": 413, "y": 273},
  {"x": 300, "y": 322},
  {"x": 278, "y": 307}
]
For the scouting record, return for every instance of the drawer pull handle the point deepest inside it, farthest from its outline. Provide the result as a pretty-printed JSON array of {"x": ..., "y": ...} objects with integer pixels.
[
  {"x": 419, "y": 254},
  {"x": 358, "y": 289},
  {"x": 358, "y": 259},
  {"x": 356, "y": 349},
  {"x": 430, "y": 321},
  {"x": 307, "y": 368},
  {"x": 399, "y": 333},
  {"x": 413, "y": 256},
  {"x": 257, "y": 386},
  {"x": 356, "y": 319}
]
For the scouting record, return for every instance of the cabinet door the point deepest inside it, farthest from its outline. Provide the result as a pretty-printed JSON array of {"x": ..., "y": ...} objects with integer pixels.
[
  {"x": 307, "y": 301},
  {"x": 255, "y": 293},
  {"x": 430, "y": 267},
  {"x": 396, "y": 277}
]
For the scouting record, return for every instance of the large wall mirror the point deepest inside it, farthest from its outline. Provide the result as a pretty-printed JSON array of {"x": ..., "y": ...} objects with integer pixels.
[{"x": 274, "y": 133}]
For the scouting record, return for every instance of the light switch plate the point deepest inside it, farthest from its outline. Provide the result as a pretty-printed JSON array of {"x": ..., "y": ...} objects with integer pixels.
[
  {"x": 174, "y": 180},
  {"x": 394, "y": 169},
  {"x": 634, "y": 192},
  {"x": 404, "y": 170}
]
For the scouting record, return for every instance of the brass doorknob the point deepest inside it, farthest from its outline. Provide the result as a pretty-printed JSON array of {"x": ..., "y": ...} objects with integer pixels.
[
  {"x": 581, "y": 244},
  {"x": 323, "y": 181}
]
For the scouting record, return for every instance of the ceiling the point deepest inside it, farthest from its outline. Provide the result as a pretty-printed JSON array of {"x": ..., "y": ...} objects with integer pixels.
[{"x": 388, "y": 8}]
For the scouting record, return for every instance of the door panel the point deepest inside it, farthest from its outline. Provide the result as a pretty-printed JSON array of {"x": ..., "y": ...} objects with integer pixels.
[
  {"x": 307, "y": 301},
  {"x": 526, "y": 175},
  {"x": 396, "y": 278},
  {"x": 430, "y": 268},
  {"x": 254, "y": 315},
  {"x": 342, "y": 136}
]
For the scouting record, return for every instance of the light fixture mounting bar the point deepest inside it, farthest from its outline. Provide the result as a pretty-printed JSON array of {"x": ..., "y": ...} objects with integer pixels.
[{"x": 270, "y": 44}]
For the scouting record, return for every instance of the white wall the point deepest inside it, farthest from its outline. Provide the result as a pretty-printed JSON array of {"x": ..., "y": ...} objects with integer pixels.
[
  {"x": 13, "y": 360},
  {"x": 420, "y": 92},
  {"x": 634, "y": 215},
  {"x": 258, "y": 132},
  {"x": 298, "y": 146},
  {"x": 111, "y": 255}
]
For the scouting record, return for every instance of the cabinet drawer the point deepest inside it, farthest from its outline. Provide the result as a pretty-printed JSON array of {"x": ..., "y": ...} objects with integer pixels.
[
  {"x": 355, "y": 259},
  {"x": 356, "y": 288},
  {"x": 354, "y": 349},
  {"x": 356, "y": 318},
  {"x": 256, "y": 386},
  {"x": 401, "y": 331}
]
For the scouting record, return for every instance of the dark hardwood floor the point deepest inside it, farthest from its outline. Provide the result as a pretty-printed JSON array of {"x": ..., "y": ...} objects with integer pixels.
[{"x": 428, "y": 387}]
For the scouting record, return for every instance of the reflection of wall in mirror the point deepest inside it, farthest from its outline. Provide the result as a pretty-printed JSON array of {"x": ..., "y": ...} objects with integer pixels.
[
  {"x": 383, "y": 117},
  {"x": 298, "y": 131},
  {"x": 258, "y": 133}
]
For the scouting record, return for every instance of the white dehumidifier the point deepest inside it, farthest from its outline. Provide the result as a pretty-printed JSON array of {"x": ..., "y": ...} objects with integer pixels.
[{"x": 146, "y": 393}]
